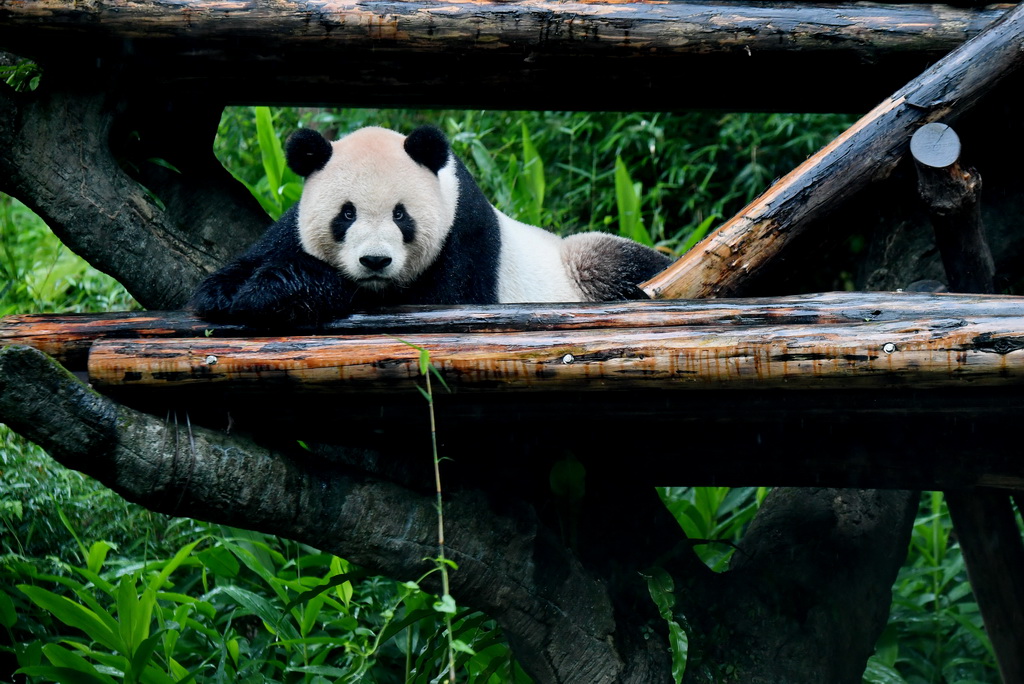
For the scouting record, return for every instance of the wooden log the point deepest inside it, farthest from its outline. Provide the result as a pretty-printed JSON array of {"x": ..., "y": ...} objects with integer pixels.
[
  {"x": 991, "y": 543},
  {"x": 951, "y": 194},
  {"x": 67, "y": 337},
  {"x": 942, "y": 352},
  {"x": 870, "y": 149},
  {"x": 423, "y": 26},
  {"x": 495, "y": 54}
]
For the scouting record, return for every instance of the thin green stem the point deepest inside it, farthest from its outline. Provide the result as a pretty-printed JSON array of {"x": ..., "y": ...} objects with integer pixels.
[{"x": 442, "y": 564}]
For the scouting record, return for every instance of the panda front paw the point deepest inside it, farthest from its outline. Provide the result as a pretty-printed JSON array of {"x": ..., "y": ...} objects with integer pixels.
[
  {"x": 215, "y": 296},
  {"x": 284, "y": 295}
]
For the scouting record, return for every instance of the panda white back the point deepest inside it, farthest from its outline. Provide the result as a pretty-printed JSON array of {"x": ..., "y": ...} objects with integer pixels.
[{"x": 530, "y": 265}]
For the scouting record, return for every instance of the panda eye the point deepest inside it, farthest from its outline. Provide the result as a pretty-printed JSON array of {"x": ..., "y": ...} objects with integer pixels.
[
  {"x": 348, "y": 212},
  {"x": 398, "y": 214}
]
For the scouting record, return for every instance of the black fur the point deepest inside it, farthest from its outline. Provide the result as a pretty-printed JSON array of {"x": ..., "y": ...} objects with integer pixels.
[
  {"x": 405, "y": 223},
  {"x": 428, "y": 146},
  {"x": 307, "y": 151},
  {"x": 341, "y": 223}
]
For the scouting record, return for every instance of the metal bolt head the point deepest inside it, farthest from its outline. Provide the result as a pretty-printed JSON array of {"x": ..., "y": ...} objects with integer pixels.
[
  {"x": 888, "y": 347},
  {"x": 568, "y": 358},
  {"x": 211, "y": 360}
]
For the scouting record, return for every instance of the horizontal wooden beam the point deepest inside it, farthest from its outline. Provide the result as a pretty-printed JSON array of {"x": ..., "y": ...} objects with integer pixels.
[
  {"x": 921, "y": 353},
  {"x": 663, "y": 55},
  {"x": 68, "y": 337}
]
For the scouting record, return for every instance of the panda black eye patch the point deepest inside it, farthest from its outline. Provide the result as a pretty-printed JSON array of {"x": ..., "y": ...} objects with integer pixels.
[
  {"x": 405, "y": 223},
  {"x": 340, "y": 223}
]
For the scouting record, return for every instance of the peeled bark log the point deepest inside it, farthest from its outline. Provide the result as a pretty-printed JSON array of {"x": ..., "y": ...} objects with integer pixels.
[
  {"x": 720, "y": 264},
  {"x": 922, "y": 353}
]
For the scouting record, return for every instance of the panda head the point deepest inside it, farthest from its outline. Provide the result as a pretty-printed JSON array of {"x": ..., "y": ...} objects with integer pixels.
[{"x": 376, "y": 205}]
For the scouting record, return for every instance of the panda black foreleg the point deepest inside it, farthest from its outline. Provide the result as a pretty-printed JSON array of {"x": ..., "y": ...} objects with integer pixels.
[
  {"x": 300, "y": 291},
  {"x": 215, "y": 296}
]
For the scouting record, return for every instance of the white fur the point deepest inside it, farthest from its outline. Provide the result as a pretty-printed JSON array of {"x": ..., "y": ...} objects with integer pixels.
[
  {"x": 530, "y": 266},
  {"x": 362, "y": 170}
]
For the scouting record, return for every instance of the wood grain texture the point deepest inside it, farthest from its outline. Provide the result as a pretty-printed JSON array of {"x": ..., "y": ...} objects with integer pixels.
[
  {"x": 423, "y": 26},
  {"x": 929, "y": 353}
]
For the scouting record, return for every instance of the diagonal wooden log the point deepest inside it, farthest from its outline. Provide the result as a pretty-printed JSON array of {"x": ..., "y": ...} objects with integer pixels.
[{"x": 869, "y": 150}]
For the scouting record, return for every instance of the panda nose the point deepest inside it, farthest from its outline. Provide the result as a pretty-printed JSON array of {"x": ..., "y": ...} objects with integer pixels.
[{"x": 375, "y": 263}]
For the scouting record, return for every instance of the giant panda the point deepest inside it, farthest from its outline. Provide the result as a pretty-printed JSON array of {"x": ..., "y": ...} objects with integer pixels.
[{"x": 386, "y": 219}]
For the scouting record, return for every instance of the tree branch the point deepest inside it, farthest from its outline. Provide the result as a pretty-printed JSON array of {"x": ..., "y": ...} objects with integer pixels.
[
  {"x": 809, "y": 585},
  {"x": 55, "y": 156}
]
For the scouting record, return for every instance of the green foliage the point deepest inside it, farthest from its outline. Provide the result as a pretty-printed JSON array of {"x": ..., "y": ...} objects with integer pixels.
[
  {"x": 37, "y": 273},
  {"x": 935, "y": 633},
  {"x": 232, "y": 605},
  {"x": 714, "y": 518},
  {"x": 23, "y": 75}
]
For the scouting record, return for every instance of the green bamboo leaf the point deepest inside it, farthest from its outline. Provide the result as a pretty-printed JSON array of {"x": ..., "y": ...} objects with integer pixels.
[
  {"x": 398, "y": 625},
  {"x": 74, "y": 615},
  {"x": 97, "y": 555},
  {"x": 8, "y": 616},
  {"x": 270, "y": 151},
  {"x": 140, "y": 662},
  {"x": 183, "y": 553},
  {"x": 698, "y": 234},
  {"x": 533, "y": 172},
  {"x": 64, "y": 675},
  {"x": 627, "y": 196},
  {"x": 262, "y": 608},
  {"x": 220, "y": 561},
  {"x": 64, "y": 659}
]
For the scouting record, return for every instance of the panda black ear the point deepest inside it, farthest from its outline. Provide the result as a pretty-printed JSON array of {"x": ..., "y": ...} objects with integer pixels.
[
  {"x": 428, "y": 146},
  {"x": 307, "y": 151}
]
